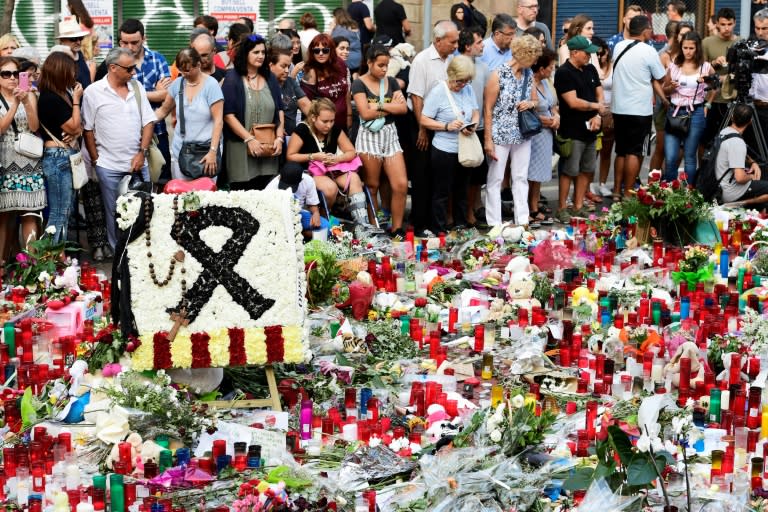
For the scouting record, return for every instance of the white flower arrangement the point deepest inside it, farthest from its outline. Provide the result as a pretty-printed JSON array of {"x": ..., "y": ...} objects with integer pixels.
[{"x": 271, "y": 263}]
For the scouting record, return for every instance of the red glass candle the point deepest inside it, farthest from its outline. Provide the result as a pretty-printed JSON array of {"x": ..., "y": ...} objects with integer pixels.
[
  {"x": 480, "y": 337},
  {"x": 591, "y": 416}
]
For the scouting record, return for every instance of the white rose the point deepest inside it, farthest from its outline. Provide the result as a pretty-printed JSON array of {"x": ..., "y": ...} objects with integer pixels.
[
  {"x": 374, "y": 442},
  {"x": 496, "y": 435},
  {"x": 51, "y": 230},
  {"x": 518, "y": 401},
  {"x": 658, "y": 446}
]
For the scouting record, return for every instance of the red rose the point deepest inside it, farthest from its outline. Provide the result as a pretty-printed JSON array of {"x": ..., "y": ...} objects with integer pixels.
[
  {"x": 688, "y": 205},
  {"x": 658, "y": 204},
  {"x": 647, "y": 200},
  {"x": 641, "y": 193},
  {"x": 664, "y": 184},
  {"x": 420, "y": 302},
  {"x": 683, "y": 176},
  {"x": 676, "y": 184}
]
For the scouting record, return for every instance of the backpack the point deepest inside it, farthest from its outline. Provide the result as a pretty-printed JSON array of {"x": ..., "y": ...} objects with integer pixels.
[
  {"x": 479, "y": 19},
  {"x": 707, "y": 182}
]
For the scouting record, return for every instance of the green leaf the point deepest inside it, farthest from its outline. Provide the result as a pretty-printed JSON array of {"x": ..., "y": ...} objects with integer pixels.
[
  {"x": 640, "y": 471},
  {"x": 209, "y": 397},
  {"x": 603, "y": 471},
  {"x": 342, "y": 360},
  {"x": 621, "y": 444},
  {"x": 581, "y": 478}
]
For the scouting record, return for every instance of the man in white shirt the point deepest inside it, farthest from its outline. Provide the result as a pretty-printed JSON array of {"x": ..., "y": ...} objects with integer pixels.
[
  {"x": 427, "y": 70},
  {"x": 117, "y": 133},
  {"x": 637, "y": 73}
]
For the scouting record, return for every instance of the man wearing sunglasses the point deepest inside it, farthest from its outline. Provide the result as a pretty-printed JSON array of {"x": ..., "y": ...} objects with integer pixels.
[
  {"x": 71, "y": 35},
  {"x": 153, "y": 73},
  {"x": 117, "y": 133}
]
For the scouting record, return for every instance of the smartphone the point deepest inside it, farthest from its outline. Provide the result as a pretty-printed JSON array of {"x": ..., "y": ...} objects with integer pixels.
[
  {"x": 24, "y": 81},
  {"x": 469, "y": 125}
]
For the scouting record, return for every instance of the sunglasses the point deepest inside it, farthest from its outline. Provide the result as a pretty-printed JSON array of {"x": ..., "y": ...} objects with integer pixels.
[
  {"x": 129, "y": 69},
  {"x": 8, "y": 74},
  {"x": 72, "y": 39},
  {"x": 318, "y": 51},
  {"x": 256, "y": 38}
]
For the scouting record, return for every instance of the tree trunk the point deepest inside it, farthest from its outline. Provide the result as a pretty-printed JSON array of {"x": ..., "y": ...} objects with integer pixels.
[{"x": 6, "y": 21}]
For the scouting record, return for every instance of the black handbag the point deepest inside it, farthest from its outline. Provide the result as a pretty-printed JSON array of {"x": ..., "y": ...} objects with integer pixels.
[
  {"x": 192, "y": 153},
  {"x": 678, "y": 123},
  {"x": 528, "y": 121}
]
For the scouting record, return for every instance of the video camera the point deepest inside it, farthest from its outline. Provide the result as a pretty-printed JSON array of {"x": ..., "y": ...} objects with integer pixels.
[{"x": 741, "y": 64}]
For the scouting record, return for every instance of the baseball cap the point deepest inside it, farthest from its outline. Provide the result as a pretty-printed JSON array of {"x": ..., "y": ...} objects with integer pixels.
[
  {"x": 582, "y": 43},
  {"x": 290, "y": 177}
]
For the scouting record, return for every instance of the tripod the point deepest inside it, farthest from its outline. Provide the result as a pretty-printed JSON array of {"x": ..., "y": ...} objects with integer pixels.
[{"x": 760, "y": 153}]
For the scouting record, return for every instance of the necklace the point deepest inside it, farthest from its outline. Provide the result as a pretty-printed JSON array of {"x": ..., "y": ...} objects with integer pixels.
[
  {"x": 190, "y": 84},
  {"x": 178, "y": 257}
]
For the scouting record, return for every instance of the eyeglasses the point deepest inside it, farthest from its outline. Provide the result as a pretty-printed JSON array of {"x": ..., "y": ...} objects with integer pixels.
[
  {"x": 506, "y": 34},
  {"x": 72, "y": 39},
  {"x": 318, "y": 51},
  {"x": 463, "y": 82},
  {"x": 129, "y": 69},
  {"x": 8, "y": 74}
]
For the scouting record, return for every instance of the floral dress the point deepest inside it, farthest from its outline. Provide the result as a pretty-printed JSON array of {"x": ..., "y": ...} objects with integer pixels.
[
  {"x": 505, "y": 116},
  {"x": 22, "y": 186}
]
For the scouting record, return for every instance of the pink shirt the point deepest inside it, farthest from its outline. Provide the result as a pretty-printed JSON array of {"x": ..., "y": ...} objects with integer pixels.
[{"x": 691, "y": 91}]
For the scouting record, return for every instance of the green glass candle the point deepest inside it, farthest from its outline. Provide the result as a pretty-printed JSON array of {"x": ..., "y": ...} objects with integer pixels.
[
  {"x": 9, "y": 338},
  {"x": 714, "y": 405},
  {"x": 100, "y": 482},
  {"x": 166, "y": 460},
  {"x": 116, "y": 493}
]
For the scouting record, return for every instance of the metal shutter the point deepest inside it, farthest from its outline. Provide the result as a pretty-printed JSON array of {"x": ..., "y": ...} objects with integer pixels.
[
  {"x": 167, "y": 23},
  {"x": 34, "y": 23},
  {"x": 604, "y": 14},
  {"x": 270, "y": 13}
]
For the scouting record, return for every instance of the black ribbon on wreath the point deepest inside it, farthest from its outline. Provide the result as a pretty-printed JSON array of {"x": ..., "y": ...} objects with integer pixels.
[{"x": 678, "y": 232}]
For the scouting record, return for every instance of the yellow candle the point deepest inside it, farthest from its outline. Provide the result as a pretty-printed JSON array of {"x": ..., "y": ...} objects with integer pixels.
[
  {"x": 497, "y": 394},
  {"x": 764, "y": 424}
]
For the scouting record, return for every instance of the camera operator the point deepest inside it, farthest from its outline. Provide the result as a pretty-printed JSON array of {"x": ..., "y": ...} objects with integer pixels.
[
  {"x": 715, "y": 48},
  {"x": 759, "y": 89}
]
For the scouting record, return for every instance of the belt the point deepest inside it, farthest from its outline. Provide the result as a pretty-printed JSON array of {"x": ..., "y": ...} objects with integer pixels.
[{"x": 761, "y": 103}]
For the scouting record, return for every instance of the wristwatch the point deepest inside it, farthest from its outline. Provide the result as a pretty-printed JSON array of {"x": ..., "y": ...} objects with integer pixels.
[{"x": 145, "y": 151}]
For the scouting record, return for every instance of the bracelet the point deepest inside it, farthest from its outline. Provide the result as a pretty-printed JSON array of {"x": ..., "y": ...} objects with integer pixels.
[
  {"x": 309, "y": 157},
  {"x": 708, "y": 106},
  {"x": 75, "y": 105},
  {"x": 249, "y": 139},
  {"x": 212, "y": 150},
  {"x": 446, "y": 126}
]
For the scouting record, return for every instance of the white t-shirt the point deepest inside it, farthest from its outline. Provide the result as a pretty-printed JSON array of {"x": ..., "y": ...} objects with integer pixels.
[
  {"x": 306, "y": 192},
  {"x": 632, "y": 90},
  {"x": 116, "y": 123}
]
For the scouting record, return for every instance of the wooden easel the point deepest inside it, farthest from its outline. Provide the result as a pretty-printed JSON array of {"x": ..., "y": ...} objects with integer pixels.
[{"x": 273, "y": 400}]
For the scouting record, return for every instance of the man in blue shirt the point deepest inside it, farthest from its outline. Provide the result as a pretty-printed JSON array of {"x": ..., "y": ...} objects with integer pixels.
[
  {"x": 153, "y": 73},
  {"x": 496, "y": 48},
  {"x": 630, "y": 12}
]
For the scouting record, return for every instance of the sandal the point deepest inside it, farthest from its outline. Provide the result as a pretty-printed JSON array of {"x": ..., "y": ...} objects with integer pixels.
[
  {"x": 545, "y": 209},
  {"x": 592, "y": 197}
]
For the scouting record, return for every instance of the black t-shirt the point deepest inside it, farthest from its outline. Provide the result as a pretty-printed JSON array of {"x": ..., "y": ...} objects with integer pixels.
[
  {"x": 309, "y": 145},
  {"x": 83, "y": 71},
  {"x": 359, "y": 86},
  {"x": 359, "y": 11},
  {"x": 219, "y": 73},
  {"x": 53, "y": 111},
  {"x": 389, "y": 20},
  {"x": 292, "y": 93},
  {"x": 585, "y": 82}
]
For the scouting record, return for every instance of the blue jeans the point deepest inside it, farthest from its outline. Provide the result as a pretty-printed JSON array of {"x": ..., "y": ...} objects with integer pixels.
[
  {"x": 690, "y": 146},
  {"x": 58, "y": 187},
  {"x": 109, "y": 181},
  {"x": 306, "y": 217}
]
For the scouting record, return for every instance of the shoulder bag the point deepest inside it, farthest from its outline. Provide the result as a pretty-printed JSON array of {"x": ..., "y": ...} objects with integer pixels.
[
  {"x": 677, "y": 123},
  {"x": 265, "y": 133},
  {"x": 318, "y": 168},
  {"x": 26, "y": 144},
  {"x": 470, "y": 150},
  {"x": 155, "y": 160},
  {"x": 374, "y": 125},
  {"x": 528, "y": 121},
  {"x": 629, "y": 47},
  {"x": 192, "y": 153},
  {"x": 76, "y": 164}
]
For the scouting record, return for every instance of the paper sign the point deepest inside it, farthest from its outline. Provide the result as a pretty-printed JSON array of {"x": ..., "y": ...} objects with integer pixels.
[{"x": 272, "y": 443}]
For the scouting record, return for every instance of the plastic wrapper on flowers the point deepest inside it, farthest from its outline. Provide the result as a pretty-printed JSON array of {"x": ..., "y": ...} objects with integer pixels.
[
  {"x": 549, "y": 256},
  {"x": 600, "y": 497},
  {"x": 474, "y": 479},
  {"x": 526, "y": 353},
  {"x": 371, "y": 464}
]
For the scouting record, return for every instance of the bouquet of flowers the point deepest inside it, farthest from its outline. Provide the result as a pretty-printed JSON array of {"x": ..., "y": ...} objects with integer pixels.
[
  {"x": 695, "y": 266},
  {"x": 669, "y": 202}
]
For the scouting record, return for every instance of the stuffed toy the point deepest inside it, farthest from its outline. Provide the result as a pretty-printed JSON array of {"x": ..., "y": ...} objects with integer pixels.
[
  {"x": 69, "y": 278},
  {"x": 520, "y": 292},
  {"x": 672, "y": 368},
  {"x": 361, "y": 292},
  {"x": 582, "y": 295},
  {"x": 400, "y": 58}
]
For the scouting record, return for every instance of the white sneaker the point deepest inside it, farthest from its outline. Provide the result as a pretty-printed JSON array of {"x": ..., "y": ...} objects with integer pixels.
[
  {"x": 605, "y": 190},
  {"x": 594, "y": 188}
]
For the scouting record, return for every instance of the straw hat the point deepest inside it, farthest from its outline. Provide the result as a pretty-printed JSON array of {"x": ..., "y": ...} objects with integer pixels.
[{"x": 69, "y": 27}]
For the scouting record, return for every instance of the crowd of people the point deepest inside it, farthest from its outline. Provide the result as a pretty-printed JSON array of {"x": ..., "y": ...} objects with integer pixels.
[{"x": 358, "y": 112}]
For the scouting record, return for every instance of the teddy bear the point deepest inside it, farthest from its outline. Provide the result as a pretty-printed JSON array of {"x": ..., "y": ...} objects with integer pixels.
[
  {"x": 672, "y": 368},
  {"x": 520, "y": 292}
]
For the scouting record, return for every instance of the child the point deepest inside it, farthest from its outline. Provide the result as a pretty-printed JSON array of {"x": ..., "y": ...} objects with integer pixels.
[{"x": 302, "y": 185}]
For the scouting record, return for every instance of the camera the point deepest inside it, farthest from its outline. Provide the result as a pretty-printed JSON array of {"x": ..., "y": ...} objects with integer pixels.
[{"x": 741, "y": 64}]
